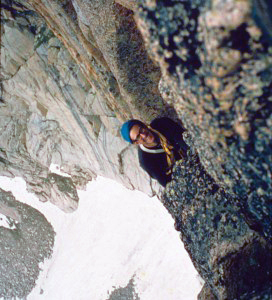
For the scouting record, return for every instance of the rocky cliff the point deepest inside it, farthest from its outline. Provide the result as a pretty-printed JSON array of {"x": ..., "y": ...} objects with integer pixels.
[
  {"x": 72, "y": 71},
  {"x": 62, "y": 104}
]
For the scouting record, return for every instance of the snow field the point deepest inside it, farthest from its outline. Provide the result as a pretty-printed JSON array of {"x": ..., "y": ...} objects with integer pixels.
[{"x": 114, "y": 235}]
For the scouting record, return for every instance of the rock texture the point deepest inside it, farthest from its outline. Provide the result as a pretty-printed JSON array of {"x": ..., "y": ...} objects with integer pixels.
[
  {"x": 216, "y": 73},
  {"x": 127, "y": 292},
  {"x": 52, "y": 114},
  {"x": 72, "y": 71},
  {"x": 29, "y": 241},
  {"x": 233, "y": 259}
]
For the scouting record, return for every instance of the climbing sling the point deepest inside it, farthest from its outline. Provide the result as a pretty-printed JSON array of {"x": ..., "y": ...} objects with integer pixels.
[{"x": 168, "y": 149}]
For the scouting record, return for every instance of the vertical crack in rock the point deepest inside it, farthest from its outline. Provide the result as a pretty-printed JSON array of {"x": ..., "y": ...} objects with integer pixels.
[
  {"x": 66, "y": 89},
  {"x": 118, "y": 38}
]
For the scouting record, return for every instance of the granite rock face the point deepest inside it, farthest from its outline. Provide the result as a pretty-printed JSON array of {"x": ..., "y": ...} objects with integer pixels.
[
  {"x": 51, "y": 114},
  {"x": 216, "y": 66},
  {"x": 72, "y": 71},
  {"x": 224, "y": 244}
]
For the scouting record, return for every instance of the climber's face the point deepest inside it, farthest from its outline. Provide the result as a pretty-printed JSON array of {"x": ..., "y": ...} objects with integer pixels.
[{"x": 142, "y": 135}]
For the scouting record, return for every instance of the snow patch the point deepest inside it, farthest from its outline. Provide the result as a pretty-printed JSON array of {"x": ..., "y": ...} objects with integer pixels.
[
  {"x": 115, "y": 235},
  {"x": 54, "y": 168}
]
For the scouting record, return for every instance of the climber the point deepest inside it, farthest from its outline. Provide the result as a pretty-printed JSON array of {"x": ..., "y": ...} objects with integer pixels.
[{"x": 160, "y": 145}]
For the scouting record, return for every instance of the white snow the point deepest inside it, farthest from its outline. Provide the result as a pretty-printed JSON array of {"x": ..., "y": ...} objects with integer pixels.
[
  {"x": 54, "y": 168},
  {"x": 114, "y": 235}
]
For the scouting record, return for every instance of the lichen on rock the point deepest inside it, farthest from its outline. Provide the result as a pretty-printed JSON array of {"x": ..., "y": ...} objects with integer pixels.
[
  {"x": 73, "y": 71},
  {"x": 215, "y": 70},
  {"x": 232, "y": 258}
]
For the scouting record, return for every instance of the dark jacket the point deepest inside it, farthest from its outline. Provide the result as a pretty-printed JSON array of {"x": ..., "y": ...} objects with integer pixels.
[{"x": 155, "y": 164}]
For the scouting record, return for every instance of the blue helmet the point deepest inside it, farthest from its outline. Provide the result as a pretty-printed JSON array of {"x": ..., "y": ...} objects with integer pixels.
[{"x": 126, "y": 127}]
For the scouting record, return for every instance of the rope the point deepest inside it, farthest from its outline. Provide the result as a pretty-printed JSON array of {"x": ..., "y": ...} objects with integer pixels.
[{"x": 168, "y": 149}]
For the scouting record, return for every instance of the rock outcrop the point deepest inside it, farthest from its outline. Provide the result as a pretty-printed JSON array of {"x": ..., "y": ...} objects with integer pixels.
[
  {"x": 217, "y": 75},
  {"x": 24, "y": 245},
  {"x": 51, "y": 114},
  {"x": 224, "y": 244},
  {"x": 127, "y": 292},
  {"x": 72, "y": 71}
]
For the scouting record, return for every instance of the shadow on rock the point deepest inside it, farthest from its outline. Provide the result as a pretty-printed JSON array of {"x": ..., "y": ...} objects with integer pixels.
[{"x": 233, "y": 259}]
